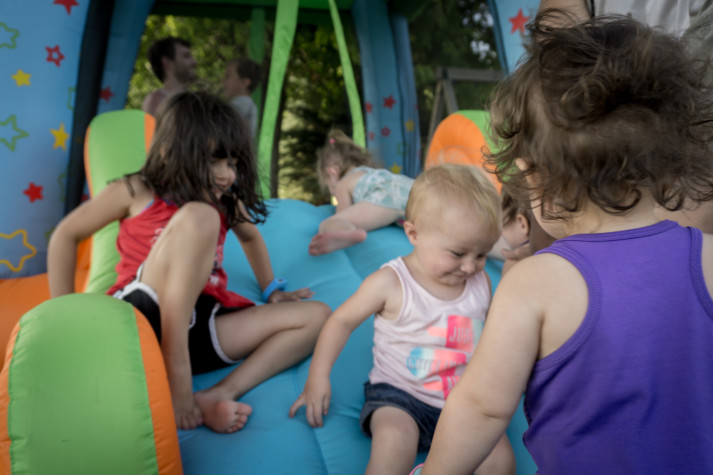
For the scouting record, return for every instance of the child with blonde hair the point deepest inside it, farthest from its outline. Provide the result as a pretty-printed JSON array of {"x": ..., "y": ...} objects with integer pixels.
[
  {"x": 429, "y": 309},
  {"x": 609, "y": 330},
  {"x": 367, "y": 197}
]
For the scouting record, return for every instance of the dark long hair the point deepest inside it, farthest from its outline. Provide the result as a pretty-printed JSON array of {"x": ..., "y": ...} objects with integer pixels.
[
  {"x": 191, "y": 129},
  {"x": 602, "y": 110}
]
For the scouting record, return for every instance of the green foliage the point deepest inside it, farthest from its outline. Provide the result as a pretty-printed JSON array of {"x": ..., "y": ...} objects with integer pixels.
[
  {"x": 214, "y": 43},
  {"x": 316, "y": 101},
  {"x": 466, "y": 39},
  {"x": 448, "y": 33}
]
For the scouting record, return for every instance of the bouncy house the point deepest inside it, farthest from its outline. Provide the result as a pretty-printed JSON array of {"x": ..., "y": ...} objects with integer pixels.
[{"x": 66, "y": 67}]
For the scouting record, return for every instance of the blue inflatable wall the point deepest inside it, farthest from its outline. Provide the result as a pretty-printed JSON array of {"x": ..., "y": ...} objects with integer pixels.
[{"x": 39, "y": 59}]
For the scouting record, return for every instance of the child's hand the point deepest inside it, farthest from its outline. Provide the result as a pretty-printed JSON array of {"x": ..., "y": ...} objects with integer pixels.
[
  {"x": 315, "y": 397},
  {"x": 284, "y": 296}
]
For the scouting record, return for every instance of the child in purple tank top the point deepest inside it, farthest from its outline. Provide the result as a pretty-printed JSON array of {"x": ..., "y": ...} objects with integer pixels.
[{"x": 609, "y": 331}]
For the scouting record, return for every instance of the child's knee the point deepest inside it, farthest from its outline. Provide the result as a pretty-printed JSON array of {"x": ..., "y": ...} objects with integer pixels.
[
  {"x": 317, "y": 314},
  {"x": 197, "y": 217}
]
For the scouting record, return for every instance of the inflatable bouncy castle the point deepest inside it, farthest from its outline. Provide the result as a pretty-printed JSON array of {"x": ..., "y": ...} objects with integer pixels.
[{"x": 65, "y": 66}]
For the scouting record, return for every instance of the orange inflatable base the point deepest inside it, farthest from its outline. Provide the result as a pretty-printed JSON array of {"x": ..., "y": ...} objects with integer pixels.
[{"x": 18, "y": 296}]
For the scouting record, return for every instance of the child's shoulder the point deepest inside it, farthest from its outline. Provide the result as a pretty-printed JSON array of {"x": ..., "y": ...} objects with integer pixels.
[
  {"x": 541, "y": 275},
  {"x": 140, "y": 193}
]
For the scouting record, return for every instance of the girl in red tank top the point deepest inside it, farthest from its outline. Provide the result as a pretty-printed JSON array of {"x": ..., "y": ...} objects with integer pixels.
[{"x": 199, "y": 180}]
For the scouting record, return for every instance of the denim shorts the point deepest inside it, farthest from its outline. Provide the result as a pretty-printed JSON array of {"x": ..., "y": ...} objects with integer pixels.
[{"x": 383, "y": 394}]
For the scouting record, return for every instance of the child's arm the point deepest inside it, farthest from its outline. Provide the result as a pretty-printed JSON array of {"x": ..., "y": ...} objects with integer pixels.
[
  {"x": 371, "y": 297},
  {"x": 110, "y": 205},
  {"x": 255, "y": 250},
  {"x": 576, "y": 7},
  {"x": 481, "y": 405},
  {"x": 537, "y": 307},
  {"x": 343, "y": 193}
]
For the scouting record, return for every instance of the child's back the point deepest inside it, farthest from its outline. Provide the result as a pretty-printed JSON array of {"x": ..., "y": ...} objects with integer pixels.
[
  {"x": 610, "y": 329},
  {"x": 629, "y": 388}
]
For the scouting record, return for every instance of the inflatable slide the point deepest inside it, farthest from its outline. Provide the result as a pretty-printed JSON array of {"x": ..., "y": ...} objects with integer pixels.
[{"x": 88, "y": 428}]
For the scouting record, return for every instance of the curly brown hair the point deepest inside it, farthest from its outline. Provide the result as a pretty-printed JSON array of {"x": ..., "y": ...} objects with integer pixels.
[
  {"x": 192, "y": 128},
  {"x": 602, "y": 110}
]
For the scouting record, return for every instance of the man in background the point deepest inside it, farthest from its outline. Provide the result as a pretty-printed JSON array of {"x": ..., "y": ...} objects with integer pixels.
[{"x": 174, "y": 65}]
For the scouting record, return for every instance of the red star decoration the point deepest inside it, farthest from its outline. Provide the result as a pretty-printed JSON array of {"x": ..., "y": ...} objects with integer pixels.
[
  {"x": 369, "y": 107},
  {"x": 33, "y": 192},
  {"x": 518, "y": 22},
  {"x": 51, "y": 58},
  {"x": 68, "y": 4},
  {"x": 389, "y": 101},
  {"x": 385, "y": 131},
  {"x": 106, "y": 94},
  {"x": 372, "y": 136}
]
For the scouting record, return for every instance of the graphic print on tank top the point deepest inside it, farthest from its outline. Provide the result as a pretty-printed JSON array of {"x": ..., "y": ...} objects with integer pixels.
[{"x": 436, "y": 367}]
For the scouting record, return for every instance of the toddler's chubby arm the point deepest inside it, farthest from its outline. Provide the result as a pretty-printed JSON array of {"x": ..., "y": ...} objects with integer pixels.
[
  {"x": 537, "y": 306},
  {"x": 377, "y": 293},
  {"x": 112, "y": 204},
  {"x": 481, "y": 405},
  {"x": 253, "y": 245}
]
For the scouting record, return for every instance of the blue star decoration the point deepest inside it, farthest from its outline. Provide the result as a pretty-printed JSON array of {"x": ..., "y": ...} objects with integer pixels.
[
  {"x": 20, "y": 134},
  {"x": 8, "y": 36}
]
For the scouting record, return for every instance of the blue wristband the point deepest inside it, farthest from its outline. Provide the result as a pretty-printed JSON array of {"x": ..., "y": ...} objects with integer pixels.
[{"x": 276, "y": 284}]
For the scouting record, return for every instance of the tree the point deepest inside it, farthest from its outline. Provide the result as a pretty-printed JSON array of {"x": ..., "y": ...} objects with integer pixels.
[
  {"x": 214, "y": 43},
  {"x": 447, "y": 33}
]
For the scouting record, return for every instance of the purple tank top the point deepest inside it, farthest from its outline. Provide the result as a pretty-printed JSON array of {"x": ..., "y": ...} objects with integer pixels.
[{"x": 631, "y": 392}]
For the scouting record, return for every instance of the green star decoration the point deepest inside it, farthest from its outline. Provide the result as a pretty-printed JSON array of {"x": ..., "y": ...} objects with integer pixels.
[
  {"x": 21, "y": 134},
  {"x": 62, "y": 180},
  {"x": 71, "y": 91},
  {"x": 402, "y": 148},
  {"x": 13, "y": 36}
]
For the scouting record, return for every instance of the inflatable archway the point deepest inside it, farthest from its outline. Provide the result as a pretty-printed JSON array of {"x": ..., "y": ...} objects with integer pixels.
[{"x": 54, "y": 83}]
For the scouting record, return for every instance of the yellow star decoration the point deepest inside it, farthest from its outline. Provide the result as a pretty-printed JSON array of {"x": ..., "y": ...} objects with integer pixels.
[
  {"x": 33, "y": 251},
  {"x": 21, "y": 78},
  {"x": 409, "y": 125},
  {"x": 60, "y": 137},
  {"x": 395, "y": 168}
]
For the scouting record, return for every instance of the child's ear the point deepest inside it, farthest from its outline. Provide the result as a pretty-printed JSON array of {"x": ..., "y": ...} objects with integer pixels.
[
  {"x": 411, "y": 232},
  {"x": 523, "y": 224}
]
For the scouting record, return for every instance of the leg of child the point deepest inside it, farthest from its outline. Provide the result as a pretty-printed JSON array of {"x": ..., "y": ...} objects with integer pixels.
[
  {"x": 177, "y": 268},
  {"x": 501, "y": 460},
  {"x": 271, "y": 338},
  {"x": 394, "y": 442},
  {"x": 349, "y": 226}
]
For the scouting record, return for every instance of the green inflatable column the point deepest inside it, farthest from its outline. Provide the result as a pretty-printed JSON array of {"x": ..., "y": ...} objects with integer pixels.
[
  {"x": 285, "y": 26},
  {"x": 358, "y": 134}
]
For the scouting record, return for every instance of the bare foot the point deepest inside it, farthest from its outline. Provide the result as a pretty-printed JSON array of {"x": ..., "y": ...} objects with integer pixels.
[
  {"x": 187, "y": 413},
  {"x": 222, "y": 415},
  {"x": 329, "y": 241}
]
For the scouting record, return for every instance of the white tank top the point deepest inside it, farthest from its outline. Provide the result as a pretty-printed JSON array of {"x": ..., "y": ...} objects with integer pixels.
[{"x": 425, "y": 349}]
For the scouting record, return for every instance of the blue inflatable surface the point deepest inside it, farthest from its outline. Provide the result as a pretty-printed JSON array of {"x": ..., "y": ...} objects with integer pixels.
[{"x": 272, "y": 443}]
